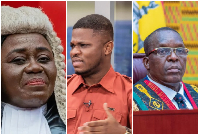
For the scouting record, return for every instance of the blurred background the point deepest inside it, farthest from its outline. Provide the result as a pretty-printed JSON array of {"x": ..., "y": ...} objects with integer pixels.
[
  {"x": 120, "y": 14},
  {"x": 55, "y": 10},
  {"x": 179, "y": 15}
]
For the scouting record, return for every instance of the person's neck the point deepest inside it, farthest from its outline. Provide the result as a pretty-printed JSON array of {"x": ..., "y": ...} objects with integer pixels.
[
  {"x": 44, "y": 107},
  {"x": 96, "y": 77},
  {"x": 174, "y": 86}
]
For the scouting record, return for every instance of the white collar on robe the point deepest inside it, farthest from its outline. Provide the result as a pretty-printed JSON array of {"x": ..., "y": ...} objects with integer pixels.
[{"x": 17, "y": 120}]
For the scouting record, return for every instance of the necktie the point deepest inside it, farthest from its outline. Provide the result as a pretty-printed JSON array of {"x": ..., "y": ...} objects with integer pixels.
[{"x": 180, "y": 101}]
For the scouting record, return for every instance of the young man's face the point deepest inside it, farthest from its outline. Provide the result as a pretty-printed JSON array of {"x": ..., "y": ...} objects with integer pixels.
[{"x": 87, "y": 51}]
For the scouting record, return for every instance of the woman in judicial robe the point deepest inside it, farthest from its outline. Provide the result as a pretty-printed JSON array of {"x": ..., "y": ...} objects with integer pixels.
[{"x": 33, "y": 95}]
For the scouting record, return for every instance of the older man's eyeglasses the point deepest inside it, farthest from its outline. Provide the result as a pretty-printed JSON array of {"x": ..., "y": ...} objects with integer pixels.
[{"x": 165, "y": 51}]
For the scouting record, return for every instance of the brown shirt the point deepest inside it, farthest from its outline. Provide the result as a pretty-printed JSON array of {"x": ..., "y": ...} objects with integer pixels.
[{"x": 114, "y": 89}]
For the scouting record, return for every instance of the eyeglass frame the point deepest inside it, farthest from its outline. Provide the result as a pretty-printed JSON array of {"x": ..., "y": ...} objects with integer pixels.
[{"x": 174, "y": 50}]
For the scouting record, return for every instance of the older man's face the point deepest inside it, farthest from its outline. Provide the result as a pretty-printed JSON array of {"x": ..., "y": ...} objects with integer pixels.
[
  {"x": 171, "y": 68},
  {"x": 28, "y": 71}
]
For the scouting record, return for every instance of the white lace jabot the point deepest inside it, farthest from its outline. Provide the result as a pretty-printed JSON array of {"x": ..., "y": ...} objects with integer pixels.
[{"x": 24, "y": 120}]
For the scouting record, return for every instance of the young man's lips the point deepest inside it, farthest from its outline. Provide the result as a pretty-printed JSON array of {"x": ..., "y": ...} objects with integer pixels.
[
  {"x": 77, "y": 62},
  {"x": 35, "y": 81}
]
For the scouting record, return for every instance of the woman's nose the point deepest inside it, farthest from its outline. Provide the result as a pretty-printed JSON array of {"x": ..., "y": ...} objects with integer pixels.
[{"x": 33, "y": 67}]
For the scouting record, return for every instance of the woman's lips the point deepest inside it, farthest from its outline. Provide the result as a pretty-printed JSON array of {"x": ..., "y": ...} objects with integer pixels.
[{"x": 35, "y": 81}]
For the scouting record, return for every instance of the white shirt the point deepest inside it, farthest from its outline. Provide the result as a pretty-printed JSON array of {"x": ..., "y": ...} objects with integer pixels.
[
  {"x": 171, "y": 93},
  {"x": 17, "y": 120}
]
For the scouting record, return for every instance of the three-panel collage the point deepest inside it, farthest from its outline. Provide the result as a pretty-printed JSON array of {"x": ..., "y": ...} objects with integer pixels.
[{"x": 99, "y": 67}]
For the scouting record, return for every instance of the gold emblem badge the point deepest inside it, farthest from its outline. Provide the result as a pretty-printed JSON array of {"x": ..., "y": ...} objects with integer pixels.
[
  {"x": 142, "y": 89},
  {"x": 195, "y": 88},
  {"x": 153, "y": 103},
  {"x": 156, "y": 104}
]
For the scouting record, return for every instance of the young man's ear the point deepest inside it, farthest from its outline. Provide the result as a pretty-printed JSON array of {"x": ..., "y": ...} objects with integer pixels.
[
  {"x": 146, "y": 62},
  {"x": 108, "y": 47}
]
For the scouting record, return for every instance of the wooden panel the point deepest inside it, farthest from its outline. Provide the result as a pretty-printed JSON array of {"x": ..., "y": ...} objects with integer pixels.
[{"x": 165, "y": 122}]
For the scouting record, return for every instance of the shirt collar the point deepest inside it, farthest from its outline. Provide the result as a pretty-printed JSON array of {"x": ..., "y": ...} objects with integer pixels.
[
  {"x": 77, "y": 81},
  {"x": 181, "y": 91},
  {"x": 168, "y": 91},
  {"x": 106, "y": 82}
]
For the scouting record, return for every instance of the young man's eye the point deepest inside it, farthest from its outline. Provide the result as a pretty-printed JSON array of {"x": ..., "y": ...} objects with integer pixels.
[
  {"x": 84, "y": 45},
  {"x": 19, "y": 61},
  {"x": 72, "y": 46}
]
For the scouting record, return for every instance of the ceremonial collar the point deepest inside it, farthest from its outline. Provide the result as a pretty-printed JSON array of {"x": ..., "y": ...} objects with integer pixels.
[{"x": 168, "y": 91}]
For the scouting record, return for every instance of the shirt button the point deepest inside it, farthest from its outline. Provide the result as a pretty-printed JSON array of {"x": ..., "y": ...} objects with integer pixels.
[{"x": 89, "y": 90}]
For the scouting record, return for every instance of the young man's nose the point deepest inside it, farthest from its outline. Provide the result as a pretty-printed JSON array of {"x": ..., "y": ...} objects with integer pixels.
[{"x": 75, "y": 51}]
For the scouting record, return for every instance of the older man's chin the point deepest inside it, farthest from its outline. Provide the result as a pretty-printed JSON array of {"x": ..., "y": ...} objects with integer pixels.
[{"x": 174, "y": 79}]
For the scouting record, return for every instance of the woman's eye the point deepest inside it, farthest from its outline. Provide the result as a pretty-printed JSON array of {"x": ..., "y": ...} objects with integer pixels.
[
  {"x": 18, "y": 61},
  {"x": 44, "y": 59}
]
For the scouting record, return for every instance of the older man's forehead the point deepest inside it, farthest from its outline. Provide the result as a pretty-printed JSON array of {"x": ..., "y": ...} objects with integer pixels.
[{"x": 166, "y": 36}]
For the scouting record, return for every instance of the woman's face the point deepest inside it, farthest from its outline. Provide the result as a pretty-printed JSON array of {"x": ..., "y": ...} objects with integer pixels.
[{"x": 28, "y": 70}]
